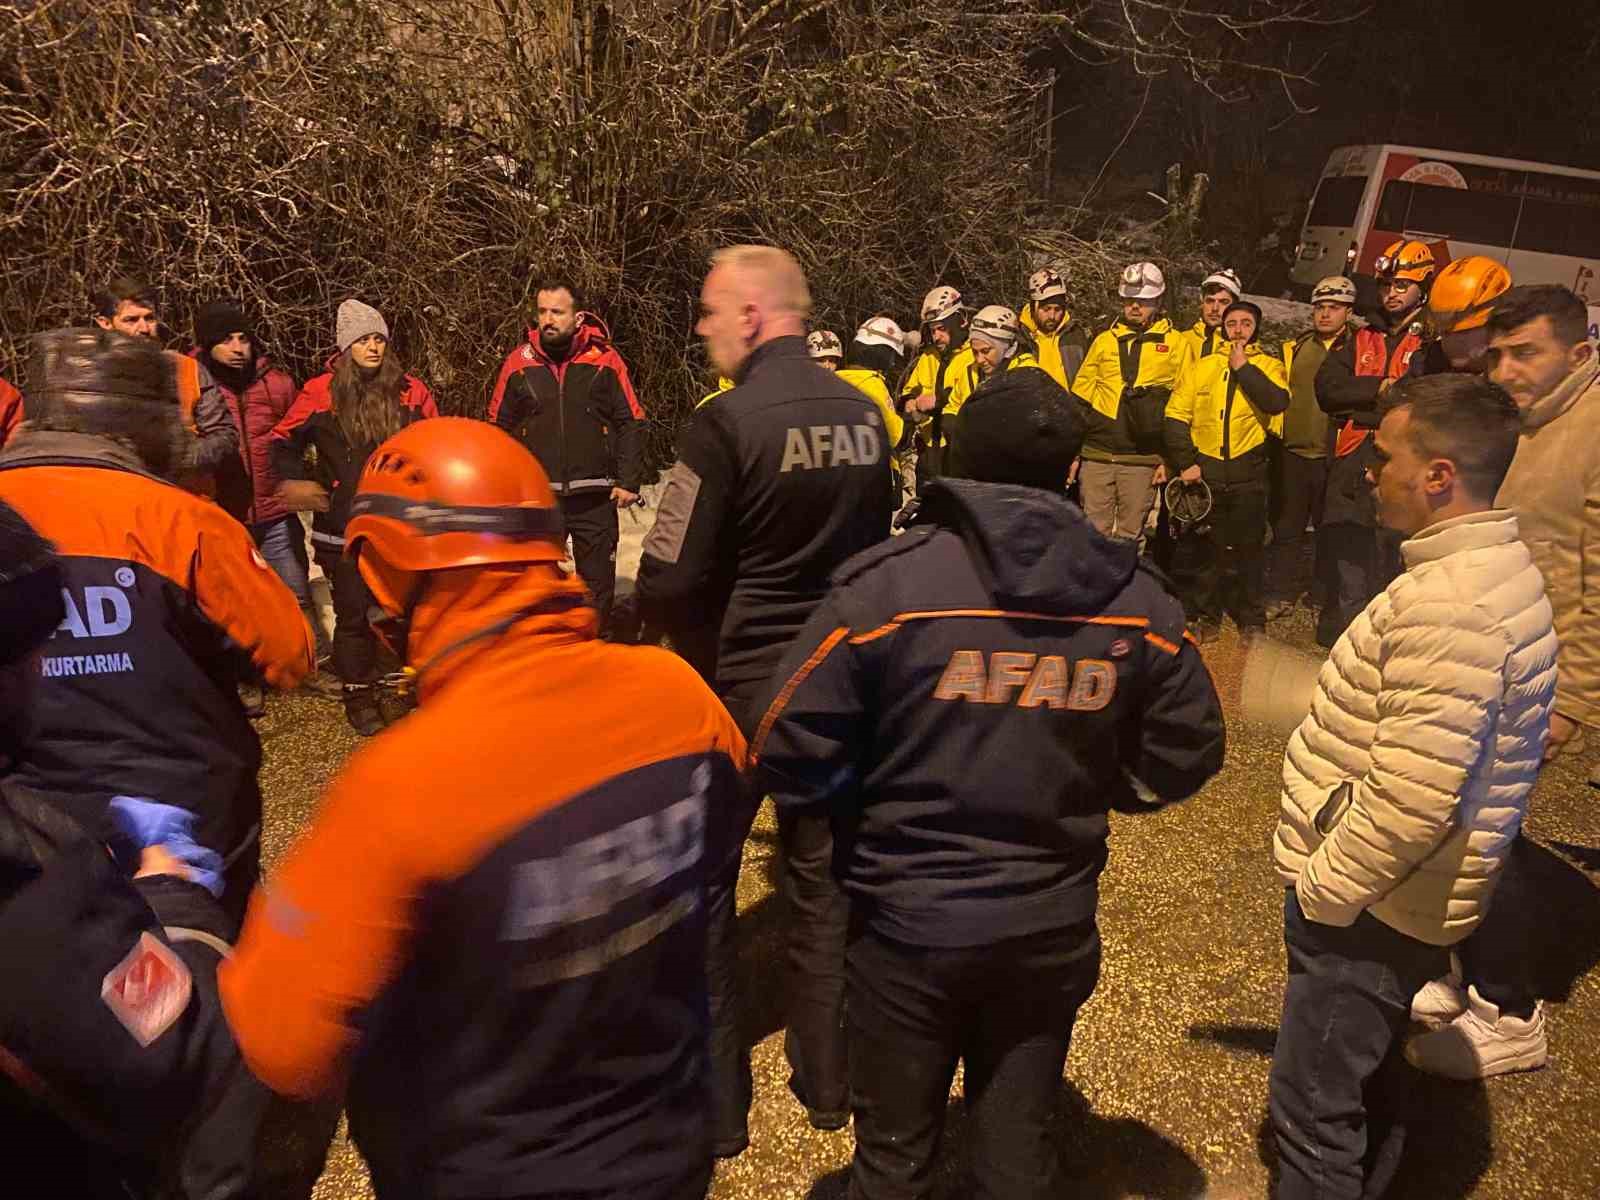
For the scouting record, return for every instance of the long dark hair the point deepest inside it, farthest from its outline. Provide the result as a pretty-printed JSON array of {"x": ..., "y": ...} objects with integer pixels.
[{"x": 367, "y": 407}]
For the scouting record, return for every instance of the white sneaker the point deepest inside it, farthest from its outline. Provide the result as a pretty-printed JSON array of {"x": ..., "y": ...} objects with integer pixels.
[
  {"x": 1481, "y": 1043},
  {"x": 1440, "y": 1001}
]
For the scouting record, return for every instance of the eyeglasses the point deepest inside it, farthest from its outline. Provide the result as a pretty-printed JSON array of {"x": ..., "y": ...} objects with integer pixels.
[{"x": 1396, "y": 285}]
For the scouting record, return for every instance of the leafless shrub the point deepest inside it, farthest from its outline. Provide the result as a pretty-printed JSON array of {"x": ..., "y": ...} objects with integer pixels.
[{"x": 433, "y": 156}]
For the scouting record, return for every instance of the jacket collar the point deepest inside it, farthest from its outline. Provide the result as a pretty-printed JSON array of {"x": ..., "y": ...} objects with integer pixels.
[
  {"x": 1471, "y": 531},
  {"x": 1547, "y": 408},
  {"x": 36, "y": 444},
  {"x": 590, "y": 333},
  {"x": 792, "y": 346},
  {"x": 1160, "y": 327}
]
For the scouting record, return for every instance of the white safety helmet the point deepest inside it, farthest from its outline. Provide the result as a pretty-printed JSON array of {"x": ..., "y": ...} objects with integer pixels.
[
  {"x": 944, "y": 301},
  {"x": 1046, "y": 284},
  {"x": 1142, "y": 281},
  {"x": 824, "y": 343},
  {"x": 1335, "y": 288},
  {"x": 882, "y": 331},
  {"x": 996, "y": 323},
  {"x": 1227, "y": 279}
]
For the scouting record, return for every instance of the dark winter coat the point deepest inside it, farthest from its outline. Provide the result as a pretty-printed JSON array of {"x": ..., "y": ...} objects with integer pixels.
[
  {"x": 252, "y": 495},
  {"x": 973, "y": 696}
]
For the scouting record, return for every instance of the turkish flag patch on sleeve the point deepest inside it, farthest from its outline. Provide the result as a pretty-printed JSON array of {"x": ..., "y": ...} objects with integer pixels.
[{"x": 148, "y": 989}]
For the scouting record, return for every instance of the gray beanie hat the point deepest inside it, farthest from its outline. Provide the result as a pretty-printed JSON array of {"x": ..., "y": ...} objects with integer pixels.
[{"x": 356, "y": 320}]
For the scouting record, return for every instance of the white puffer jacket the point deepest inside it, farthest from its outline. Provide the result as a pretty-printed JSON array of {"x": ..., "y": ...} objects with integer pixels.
[{"x": 1435, "y": 703}]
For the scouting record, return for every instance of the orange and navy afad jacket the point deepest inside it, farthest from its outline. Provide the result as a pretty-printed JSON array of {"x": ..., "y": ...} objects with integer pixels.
[
  {"x": 496, "y": 917},
  {"x": 310, "y": 425},
  {"x": 167, "y": 601},
  {"x": 578, "y": 415},
  {"x": 974, "y": 696}
]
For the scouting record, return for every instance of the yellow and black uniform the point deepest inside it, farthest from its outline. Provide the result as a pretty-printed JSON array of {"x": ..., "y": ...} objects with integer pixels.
[
  {"x": 1201, "y": 339},
  {"x": 169, "y": 606},
  {"x": 1126, "y": 379},
  {"x": 864, "y": 379},
  {"x": 1218, "y": 418},
  {"x": 1060, "y": 353},
  {"x": 948, "y": 375}
]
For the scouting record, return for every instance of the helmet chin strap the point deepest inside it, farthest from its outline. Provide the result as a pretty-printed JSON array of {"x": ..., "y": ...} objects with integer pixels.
[{"x": 550, "y": 604}]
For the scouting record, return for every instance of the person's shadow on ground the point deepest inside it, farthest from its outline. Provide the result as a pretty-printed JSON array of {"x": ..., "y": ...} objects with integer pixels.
[
  {"x": 1428, "y": 1139},
  {"x": 1102, "y": 1158}
]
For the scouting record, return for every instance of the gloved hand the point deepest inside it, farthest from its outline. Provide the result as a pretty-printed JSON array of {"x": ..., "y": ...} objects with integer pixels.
[{"x": 142, "y": 822}]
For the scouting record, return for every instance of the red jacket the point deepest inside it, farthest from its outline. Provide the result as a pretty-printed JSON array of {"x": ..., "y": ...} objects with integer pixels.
[
  {"x": 310, "y": 423},
  {"x": 10, "y": 411},
  {"x": 264, "y": 403}
]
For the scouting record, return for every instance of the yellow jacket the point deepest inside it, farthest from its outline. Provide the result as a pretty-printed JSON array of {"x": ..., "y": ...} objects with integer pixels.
[
  {"x": 1060, "y": 353},
  {"x": 1119, "y": 359},
  {"x": 1220, "y": 413},
  {"x": 872, "y": 383},
  {"x": 952, "y": 385},
  {"x": 1199, "y": 342}
]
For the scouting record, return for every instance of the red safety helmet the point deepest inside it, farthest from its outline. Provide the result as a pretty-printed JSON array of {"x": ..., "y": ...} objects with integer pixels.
[{"x": 449, "y": 492}]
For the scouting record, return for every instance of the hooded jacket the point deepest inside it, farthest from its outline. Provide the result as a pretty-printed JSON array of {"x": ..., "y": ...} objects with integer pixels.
[
  {"x": 167, "y": 594},
  {"x": 578, "y": 415},
  {"x": 520, "y": 954},
  {"x": 310, "y": 425},
  {"x": 256, "y": 411},
  {"x": 1060, "y": 353},
  {"x": 1127, "y": 379},
  {"x": 1434, "y": 706},
  {"x": 1554, "y": 488},
  {"x": 972, "y": 697},
  {"x": 1224, "y": 416}
]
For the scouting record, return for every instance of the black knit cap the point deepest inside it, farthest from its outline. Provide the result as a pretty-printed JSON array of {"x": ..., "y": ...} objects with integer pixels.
[
  {"x": 217, "y": 319},
  {"x": 1020, "y": 427},
  {"x": 1245, "y": 306}
]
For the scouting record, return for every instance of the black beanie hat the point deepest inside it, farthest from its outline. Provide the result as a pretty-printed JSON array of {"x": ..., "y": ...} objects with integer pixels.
[
  {"x": 217, "y": 319},
  {"x": 1245, "y": 306},
  {"x": 1021, "y": 427}
]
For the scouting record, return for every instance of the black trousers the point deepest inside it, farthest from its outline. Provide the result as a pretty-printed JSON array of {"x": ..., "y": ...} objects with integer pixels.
[
  {"x": 1347, "y": 1003},
  {"x": 1225, "y": 577},
  {"x": 355, "y": 646},
  {"x": 1302, "y": 487},
  {"x": 591, "y": 519},
  {"x": 818, "y": 915},
  {"x": 1494, "y": 957},
  {"x": 1007, "y": 1011},
  {"x": 1361, "y": 562}
]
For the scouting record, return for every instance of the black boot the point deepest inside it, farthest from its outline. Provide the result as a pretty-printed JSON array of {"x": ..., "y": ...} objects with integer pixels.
[{"x": 361, "y": 709}]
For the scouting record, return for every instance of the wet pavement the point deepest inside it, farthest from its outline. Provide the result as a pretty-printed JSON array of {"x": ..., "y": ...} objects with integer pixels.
[{"x": 1165, "y": 1088}]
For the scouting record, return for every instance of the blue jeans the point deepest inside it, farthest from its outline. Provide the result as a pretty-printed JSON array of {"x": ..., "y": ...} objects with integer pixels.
[
  {"x": 282, "y": 543},
  {"x": 1347, "y": 1004}
]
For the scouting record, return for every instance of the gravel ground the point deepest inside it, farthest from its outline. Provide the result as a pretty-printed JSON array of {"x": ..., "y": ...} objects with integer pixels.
[{"x": 1165, "y": 1089}]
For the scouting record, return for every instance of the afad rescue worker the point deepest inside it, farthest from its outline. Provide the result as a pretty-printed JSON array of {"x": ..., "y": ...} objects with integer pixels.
[
  {"x": 168, "y": 606},
  {"x": 872, "y": 361},
  {"x": 1303, "y": 463},
  {"x": 1359, "y": 368},
  {"x": 537, "y": 1027},
  {"x": 118, "y": 1075},
  {"x": 777, "y": 483},
  {"x": 1206, "y": 335},
  {"x": 565, "y": 393},
  {"x": 1061, "y": 344},
  {"x": 1127, "y": 379},
  {"x": 1456, "y": 324},
  {"x": 208, "y": 457},
  {"x": 364, "y": 397},
  {"x": 971, "y": 697},
  {"x": 1224, "y": 406},
  {"x": 940, "y": 379}
]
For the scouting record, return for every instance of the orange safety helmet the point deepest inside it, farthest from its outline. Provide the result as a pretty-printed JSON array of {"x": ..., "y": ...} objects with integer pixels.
[
  {"x": 1407, "y": 260},
  {"x": 1463, "y": 295},
  {"x": 449, "y": 492}
]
